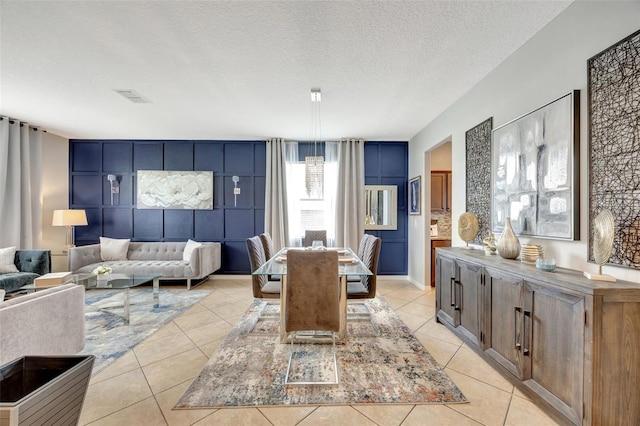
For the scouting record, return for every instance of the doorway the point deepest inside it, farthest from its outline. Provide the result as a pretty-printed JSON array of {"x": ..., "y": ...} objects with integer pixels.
[{"x": 438, "y": 195}]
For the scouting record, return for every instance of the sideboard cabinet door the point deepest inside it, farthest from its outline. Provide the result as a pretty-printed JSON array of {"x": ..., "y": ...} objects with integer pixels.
[
  {"x": 553, "y": 328},
  {"x": 445, "y": 291},
  {"x": 459, "y": 296},
  {"x": 503, "y": 318},
  {"x": 469, "y": 302}
]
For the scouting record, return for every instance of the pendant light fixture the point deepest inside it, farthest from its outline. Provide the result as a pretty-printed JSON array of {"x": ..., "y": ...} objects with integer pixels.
[{"x": 314, "y": 164}]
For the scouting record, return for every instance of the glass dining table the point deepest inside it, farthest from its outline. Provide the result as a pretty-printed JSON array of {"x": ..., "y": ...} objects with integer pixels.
[{"x": 349, "y": 265}]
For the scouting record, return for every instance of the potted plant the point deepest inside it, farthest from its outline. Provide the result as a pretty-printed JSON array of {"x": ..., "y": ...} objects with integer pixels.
[{"x": 101, "y": 273}]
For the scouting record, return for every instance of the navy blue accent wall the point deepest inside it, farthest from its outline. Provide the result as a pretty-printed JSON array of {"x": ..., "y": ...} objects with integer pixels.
[
  {"x": 386, "y": 163},
  {"x": 90, "y": 161}
]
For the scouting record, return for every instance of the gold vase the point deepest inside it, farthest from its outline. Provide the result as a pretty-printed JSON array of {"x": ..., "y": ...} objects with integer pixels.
[{"x": 508, "y": 244}]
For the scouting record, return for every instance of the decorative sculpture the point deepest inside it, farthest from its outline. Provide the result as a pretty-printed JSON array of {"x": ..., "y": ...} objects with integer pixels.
[
  {"x": 603, "y": 233},
  {"x": 490, "y": 244},
  {"x": 467, "y": 227}
]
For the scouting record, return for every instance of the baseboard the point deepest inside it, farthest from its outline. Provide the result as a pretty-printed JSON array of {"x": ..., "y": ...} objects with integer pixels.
[{"x": 229, "y": 277}]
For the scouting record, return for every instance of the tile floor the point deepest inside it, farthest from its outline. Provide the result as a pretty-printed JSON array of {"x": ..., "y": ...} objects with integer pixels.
[{"x": 142, "y": 386}]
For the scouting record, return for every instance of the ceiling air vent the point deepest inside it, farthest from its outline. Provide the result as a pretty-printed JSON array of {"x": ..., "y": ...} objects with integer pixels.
[{"x": 132, "y": 95}]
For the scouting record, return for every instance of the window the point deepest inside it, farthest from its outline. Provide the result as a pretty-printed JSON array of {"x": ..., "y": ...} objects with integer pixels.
[{"x": 311, "y": 207}]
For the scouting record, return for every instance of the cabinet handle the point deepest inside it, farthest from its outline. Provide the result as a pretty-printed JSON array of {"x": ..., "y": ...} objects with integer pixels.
[
  {"x": 527, "y": 332},
  {"x": 452, "y": 292},
  {"x": 458, "y": 306},
  {"x": 516, "y": 336}
]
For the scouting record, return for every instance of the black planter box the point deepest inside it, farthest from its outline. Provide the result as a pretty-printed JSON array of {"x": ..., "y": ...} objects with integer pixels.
[{"x": 43, "y": 390}]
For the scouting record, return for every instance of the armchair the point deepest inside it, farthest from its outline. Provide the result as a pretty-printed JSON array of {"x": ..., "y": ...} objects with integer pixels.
[{"x": 31, "y": 264}]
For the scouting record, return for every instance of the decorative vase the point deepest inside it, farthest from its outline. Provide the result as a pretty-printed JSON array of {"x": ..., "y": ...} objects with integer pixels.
[
  {"x": 508, "y": 244},
  {"x": 102, "y": 278}
]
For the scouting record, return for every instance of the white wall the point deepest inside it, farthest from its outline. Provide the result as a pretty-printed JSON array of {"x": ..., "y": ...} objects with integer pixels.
[
  {"x": 441, "y": 157},
  {"x": 55, "y": 195},
  {"x": 549, "y": 65}
]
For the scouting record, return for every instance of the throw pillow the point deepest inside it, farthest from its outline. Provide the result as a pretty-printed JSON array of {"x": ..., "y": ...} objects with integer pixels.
[
  {"x": 113, "y": 249},
  {"x": 189, "y": 248},
  {"x": 7, "y": 257}
]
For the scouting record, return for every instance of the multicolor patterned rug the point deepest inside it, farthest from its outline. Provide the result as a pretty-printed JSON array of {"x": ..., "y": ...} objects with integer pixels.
[
  {"x": 107, "y": 335},
  {"x": 249, "y": 367}
]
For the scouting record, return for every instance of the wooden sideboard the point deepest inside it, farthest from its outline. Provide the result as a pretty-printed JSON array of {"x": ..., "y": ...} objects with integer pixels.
[{"x": 572, "y": 342}]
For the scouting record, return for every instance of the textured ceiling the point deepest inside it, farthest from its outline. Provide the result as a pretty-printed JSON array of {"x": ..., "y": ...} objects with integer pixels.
[{"x": 244, "y": 69}]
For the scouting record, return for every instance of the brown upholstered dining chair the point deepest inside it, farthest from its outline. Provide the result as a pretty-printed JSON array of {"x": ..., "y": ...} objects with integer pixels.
[
  {"x": 311, "y": 236},
  {"x": 267, "y": 244},
  {"x": 364, "y": 287},
  {"x": 312, "y": 303},
  {"x": 269, "y": 251},
  {"x": 369, "y": 252},
  {"x": 263, "y": 288}
]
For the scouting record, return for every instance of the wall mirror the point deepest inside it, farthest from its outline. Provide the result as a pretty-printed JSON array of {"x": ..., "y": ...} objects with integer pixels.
[{"x": 381, "y": 206}]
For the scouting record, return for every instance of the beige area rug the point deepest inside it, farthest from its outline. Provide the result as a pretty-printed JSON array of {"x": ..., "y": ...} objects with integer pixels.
[{"x": 248, "y": 369}]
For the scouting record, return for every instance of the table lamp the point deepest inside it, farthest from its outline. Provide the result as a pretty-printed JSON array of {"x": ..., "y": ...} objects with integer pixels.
[{"x": 69, "y": 218}]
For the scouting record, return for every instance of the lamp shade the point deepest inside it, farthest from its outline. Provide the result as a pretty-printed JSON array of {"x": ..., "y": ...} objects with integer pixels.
[{"x": 69, "y": 218}]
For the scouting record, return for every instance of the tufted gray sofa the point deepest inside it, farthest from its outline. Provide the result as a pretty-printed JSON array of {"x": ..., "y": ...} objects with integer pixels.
[
  {"x": 31, "y": 264},
  {"x": 152, "y": 258}
]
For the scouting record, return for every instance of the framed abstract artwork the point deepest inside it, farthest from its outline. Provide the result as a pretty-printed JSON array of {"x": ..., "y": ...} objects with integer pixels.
[
  {"x": 161, "y": 189},
  {"x": 414, "y": 195},
  {"x": 614, "y": 146},
  {"x": 535, "y": 171}
]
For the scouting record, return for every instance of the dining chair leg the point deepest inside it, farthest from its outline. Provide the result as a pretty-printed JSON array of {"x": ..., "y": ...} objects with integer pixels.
[
  {"x": 283, "y": 308},
  {"x": 292, "y": 354},
  {"x": 365, "y": 316},
  {"x": 264, "y": 317},
  {"x": 342, "y": 333}
]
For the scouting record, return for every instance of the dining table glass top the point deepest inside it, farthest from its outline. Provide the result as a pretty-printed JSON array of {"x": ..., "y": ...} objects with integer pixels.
[{"x": 349, "y": 264}]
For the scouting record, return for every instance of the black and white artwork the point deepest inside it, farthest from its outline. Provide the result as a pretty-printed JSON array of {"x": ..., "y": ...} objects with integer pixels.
[
  {"x": 614, "y": 146},
  {"x": 478, "y": 175},
  {"x": 535, "y": 169},
  {"x": 414, "y": 195}
]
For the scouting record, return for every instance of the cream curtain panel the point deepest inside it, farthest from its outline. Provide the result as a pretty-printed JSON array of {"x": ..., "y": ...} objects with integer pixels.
[
  {"x": 276, "y": 216},
  {"x": 350, "y": 199},
  {"x": 20, "y": 183}
]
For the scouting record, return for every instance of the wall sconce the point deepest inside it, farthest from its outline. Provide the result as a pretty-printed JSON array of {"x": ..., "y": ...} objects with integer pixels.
[
  {"x": 236, "y": 190},
  {"x": 69, "y": 218},
  {"x": 113, "y": 183}
]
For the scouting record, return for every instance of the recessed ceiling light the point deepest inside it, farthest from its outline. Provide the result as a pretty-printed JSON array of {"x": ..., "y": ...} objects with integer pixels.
[{"x": 132, "y": 95}]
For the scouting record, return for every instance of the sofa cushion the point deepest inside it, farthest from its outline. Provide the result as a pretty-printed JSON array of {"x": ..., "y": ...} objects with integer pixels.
[
  {"x": 113, "y": 249},
  {"x": 15, "y": 281},
  {"x": 189, "y": 248},
  {"x": 7, "y": 260},
  {"x": 36, "y": 261},
  {"x": 8, "y": 269},
  {"x": 168, "y": 269}
]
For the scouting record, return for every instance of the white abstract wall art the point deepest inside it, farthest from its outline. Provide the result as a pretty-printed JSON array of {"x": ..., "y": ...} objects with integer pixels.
[
  {"x": 161, "y": 189},
  {"x": 535, "y": 170}
]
